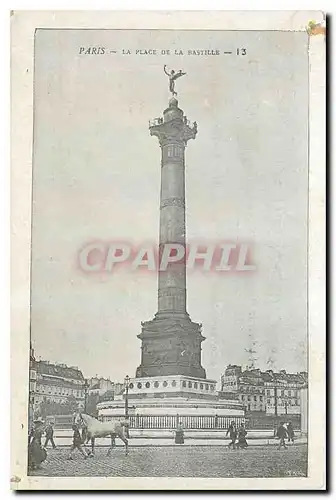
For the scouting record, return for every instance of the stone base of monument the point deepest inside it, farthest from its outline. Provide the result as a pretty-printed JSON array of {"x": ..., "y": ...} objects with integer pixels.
[{"x": 157, "y": 405}]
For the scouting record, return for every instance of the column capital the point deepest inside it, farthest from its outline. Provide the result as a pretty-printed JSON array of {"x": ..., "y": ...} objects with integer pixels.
[{"x": 176, "y": 131}]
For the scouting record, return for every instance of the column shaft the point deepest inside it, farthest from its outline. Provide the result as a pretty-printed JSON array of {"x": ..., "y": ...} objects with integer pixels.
[{"x": 172, "y": 281}]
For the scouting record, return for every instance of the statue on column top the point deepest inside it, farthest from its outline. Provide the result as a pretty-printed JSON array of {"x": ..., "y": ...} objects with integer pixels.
[{"x": 173, "y": 75}]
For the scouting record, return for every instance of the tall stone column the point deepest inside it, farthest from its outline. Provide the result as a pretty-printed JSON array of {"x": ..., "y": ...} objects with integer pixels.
[
  {"x": 171, "y": 342},
  {"x": 173, "y": 134}
]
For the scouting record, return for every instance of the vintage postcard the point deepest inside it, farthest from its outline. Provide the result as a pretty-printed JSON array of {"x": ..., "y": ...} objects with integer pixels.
[{"x": 168, "y": 180}]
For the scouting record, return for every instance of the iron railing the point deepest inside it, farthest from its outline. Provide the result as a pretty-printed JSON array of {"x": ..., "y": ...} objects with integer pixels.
[{"x": 172, "y": 421}]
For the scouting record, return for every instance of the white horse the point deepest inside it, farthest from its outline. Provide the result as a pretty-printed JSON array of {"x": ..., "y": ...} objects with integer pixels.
[{"x": 96, "y": 429}]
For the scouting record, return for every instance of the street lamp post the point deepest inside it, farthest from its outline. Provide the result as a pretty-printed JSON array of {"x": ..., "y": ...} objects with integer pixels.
[
  {"x": 276, "y": 400},
  {"x": 127, "y": 380}
]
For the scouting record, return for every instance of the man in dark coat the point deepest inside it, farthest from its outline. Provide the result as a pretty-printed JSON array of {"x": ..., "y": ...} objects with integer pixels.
[
  {"x": 282, "y": 434},
  {"x": 77, "y": 442},
  {"x": 242, "y": 443},
  {"x": 233, "y": 435},
  {"x": 49, "y": 433},
  {"x": 179, "y": 434},
  {"x": 290, "y": 432}
]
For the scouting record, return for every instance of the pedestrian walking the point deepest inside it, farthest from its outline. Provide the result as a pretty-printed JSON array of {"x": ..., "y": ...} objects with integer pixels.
[
  {"x": 36, "y": 454},
  {"x": 232, "y": 431},
  {"x": 242, "y": 443},
  {"x": 49, "y": 435},
  {"x": 179, "y": 434},
  {"x": 77, "y": 442},
  {"x": 282, "y": 434},
  {"x": 290, "y": 432}
]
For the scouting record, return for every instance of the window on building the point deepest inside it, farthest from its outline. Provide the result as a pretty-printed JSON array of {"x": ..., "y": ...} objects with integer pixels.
[
  {"x": 184, "y": 383},
  {"x": 255, "y": 398},
  {"x": 269, "y": 401}
]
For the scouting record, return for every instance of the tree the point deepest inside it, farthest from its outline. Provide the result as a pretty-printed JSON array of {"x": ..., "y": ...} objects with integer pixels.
[
  {"x": 72, "y": 404},
  {"x": 107, "y": 396},
  {"x": 91, "y": 406},
  {"x": 48, "y": 407}
]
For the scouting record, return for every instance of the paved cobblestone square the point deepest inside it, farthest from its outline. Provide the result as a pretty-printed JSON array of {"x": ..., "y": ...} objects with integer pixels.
[{"x": 180, "y": 461}]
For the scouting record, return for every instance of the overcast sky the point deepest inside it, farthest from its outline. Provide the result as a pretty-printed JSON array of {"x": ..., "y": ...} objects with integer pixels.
[{"x": 97, "y": 176}]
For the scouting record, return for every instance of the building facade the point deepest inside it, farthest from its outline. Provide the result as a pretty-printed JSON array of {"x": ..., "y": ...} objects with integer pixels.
[
  {"x": 304, "y": 410},
  {"x": 119, "y": 388},
  {"x": 56, "y": 383},
  {"x": 276, "y": 393},
  {"x": 99, "y": 386}
]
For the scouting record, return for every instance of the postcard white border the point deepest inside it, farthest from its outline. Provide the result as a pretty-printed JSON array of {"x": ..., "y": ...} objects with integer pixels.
[{"x": 23, "y": 25}]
